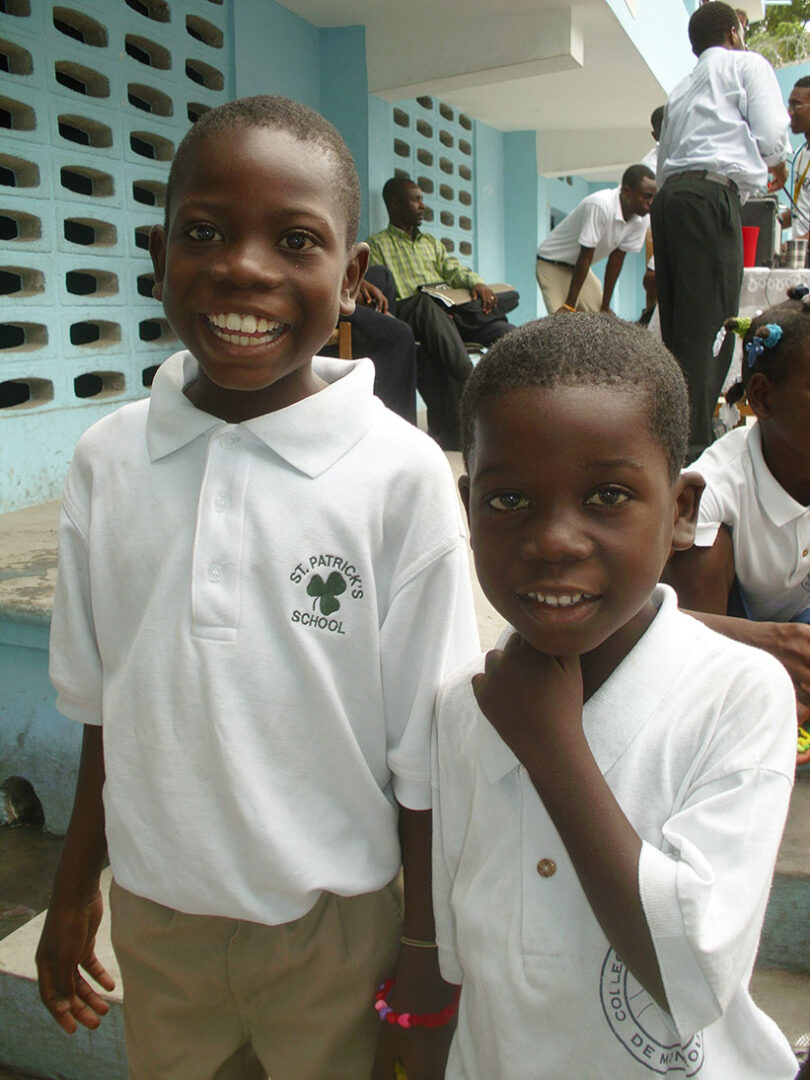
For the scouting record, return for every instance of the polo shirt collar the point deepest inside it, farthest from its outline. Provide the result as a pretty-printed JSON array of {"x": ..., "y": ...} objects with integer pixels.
[
  {"x": 620, "y": 708},
  {"x": 311, "y": 435},
  {"x": 398, "y": 233},
  {"x": 780, "y": 507},
  {"x": 617, "y": 206}
]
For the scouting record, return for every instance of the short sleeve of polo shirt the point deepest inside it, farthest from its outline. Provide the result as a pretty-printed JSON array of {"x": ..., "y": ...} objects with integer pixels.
[
  {"x": 704, "y": 895},
  {"x": 723, "y": 467},
  {"x": 75, "y": 664},
  {"x": 594, "y": 223}
]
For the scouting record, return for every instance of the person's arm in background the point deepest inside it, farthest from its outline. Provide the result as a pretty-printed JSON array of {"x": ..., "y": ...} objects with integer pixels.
[
  {"x": 612, "y": 270},
  {"x": 703, "y": 576},
  {"x": 765, "y": 115}
]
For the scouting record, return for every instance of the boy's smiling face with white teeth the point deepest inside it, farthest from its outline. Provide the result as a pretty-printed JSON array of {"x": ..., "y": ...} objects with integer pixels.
[
  {"x": 254, "y": 268},
  {"x": 572, "y": 514}
]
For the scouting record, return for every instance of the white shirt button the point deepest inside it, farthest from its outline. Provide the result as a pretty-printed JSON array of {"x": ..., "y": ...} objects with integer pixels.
[
  {"x": 229, "y": 440},
  {"x": 804, "y": 553},
  {"x": 215, "y": 572},
  {"x": 221, "y": 502},
  {"x": 546, "y": 868}
]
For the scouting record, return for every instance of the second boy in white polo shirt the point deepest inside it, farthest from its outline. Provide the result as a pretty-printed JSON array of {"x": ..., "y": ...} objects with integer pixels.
[{"x": 606, "y": 224}]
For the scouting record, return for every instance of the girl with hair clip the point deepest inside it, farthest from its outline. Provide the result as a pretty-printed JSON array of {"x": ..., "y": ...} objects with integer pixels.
[{"x": 748, "y": 574}]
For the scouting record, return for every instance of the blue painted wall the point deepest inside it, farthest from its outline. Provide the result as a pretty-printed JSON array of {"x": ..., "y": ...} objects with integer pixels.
[
  {"x": 490, "y": 203},
  {"x": 344, "y": 99},
  {"x": 275, "y": 52}
]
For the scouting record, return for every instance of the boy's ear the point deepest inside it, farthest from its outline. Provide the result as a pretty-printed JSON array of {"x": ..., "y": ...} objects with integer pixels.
[
  {"x": 758, "y": 393},
  {"x": 464, "y": 492},
  {"x": 355, "y": 272},
  {"x": 157, "y": 250},
  {"x": 688, "y": 489}
]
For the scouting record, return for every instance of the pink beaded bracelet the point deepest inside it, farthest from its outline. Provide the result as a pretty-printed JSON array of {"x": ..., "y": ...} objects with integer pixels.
[{"x": 406, "y": 1020}]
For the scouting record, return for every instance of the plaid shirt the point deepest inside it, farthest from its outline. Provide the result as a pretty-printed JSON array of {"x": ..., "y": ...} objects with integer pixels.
[{"x": 419, "y": 261}]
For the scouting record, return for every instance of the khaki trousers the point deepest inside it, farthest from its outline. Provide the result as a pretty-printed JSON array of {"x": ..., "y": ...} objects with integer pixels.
[
  {"x": 210, "y": 998},
  {"x": 554, "y": 282}
]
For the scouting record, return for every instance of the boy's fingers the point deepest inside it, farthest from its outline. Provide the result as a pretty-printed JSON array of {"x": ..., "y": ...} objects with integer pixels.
[
  {"x": 96, "y": 970},
  {"x": 89, "y": 996}
]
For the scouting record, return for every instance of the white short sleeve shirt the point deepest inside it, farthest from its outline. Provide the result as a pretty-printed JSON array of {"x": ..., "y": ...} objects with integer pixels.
[
  {"x": 800, "y": 182},
  {"x": 598, "y": 222},
  {"x": 695, "y": 734},
  {"x": 259, "y": 615},
  {"x": 770, "y": 530}
]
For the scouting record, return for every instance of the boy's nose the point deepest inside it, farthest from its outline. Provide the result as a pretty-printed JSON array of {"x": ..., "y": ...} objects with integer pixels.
[
  {"x": 556, "y": 539},
  {"x": 248, "y": 263}
]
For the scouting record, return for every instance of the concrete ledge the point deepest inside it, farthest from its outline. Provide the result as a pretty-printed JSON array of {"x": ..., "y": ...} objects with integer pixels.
[{"x": 30, "y": 1038}]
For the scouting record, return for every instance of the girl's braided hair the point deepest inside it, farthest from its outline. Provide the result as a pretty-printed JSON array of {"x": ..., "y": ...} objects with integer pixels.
[{"x": 771, "y": 341}]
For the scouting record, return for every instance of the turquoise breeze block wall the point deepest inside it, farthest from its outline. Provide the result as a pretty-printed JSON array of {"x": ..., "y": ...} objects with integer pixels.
[{"x": 94, "y": 99}]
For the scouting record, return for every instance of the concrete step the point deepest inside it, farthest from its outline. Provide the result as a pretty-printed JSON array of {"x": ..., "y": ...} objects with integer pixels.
[
  {"x": 786, "y": 934},
  {"x": 30, "y": 1041}
]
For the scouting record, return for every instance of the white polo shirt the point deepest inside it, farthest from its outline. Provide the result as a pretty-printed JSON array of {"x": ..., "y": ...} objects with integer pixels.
[
  {"x": 695, "y": 734},
  {"x": 598, "y": 222},
  {"x": 770, "y": 530},
  {"x": 259, "y": 614}
]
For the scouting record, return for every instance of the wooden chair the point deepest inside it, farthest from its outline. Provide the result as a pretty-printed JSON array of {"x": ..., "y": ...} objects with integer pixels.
[{"x": 342, "y": 337}]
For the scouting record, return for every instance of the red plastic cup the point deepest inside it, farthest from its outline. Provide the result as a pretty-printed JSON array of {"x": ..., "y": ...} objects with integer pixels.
[{"x": 750, "y": 235}]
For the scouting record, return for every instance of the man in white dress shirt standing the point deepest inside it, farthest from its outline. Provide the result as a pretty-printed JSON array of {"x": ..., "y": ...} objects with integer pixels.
[
  {"x": 798, "y": 106},
  {"x": 724, "y": 128}
]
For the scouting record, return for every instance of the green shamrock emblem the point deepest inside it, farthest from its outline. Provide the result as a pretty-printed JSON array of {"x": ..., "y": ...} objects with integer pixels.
[{"x": 327, "y": 592}]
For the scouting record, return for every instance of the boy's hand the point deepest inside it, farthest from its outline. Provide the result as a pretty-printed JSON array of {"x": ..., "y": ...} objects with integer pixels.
[
  {"x": 534, "y": 701},
  {"x": 419, "y": 989},
  {"x": 66, "y": 945}
]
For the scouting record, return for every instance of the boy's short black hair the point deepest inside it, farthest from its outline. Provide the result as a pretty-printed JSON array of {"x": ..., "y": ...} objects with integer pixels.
[
  {"x": 585, "y": 350},
  {"x": 282, "y": 114},
  {"x": 710, "y": 24},
  {"x": 634, "y": 174}
]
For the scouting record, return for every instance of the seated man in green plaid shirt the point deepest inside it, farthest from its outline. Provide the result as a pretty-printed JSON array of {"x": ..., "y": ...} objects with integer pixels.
[{"x": 416, "y": 258}]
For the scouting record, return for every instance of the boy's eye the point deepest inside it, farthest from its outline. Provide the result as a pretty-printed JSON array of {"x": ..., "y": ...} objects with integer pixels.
[
  {"x": 206, "y": 233},
  {"x": 607, "y": 496},
  {"x": 508, "y": 500},
  {"x": 297, "y": 241}
]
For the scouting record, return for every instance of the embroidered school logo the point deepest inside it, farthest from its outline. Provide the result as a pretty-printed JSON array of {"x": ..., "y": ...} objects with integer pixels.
[
  {"x": 635, "y": 1021},
  {"x": 331, "y": 581}
]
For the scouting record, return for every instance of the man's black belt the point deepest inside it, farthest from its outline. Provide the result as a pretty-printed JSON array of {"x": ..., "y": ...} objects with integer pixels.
[
  {"x": 556, "y": 262},
  {"x": 704, "y": 174}
]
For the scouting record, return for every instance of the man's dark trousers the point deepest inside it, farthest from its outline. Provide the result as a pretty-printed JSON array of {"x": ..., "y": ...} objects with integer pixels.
[
  {"x": 442, "y": 363},
  {"x": 697, "y": 239}
]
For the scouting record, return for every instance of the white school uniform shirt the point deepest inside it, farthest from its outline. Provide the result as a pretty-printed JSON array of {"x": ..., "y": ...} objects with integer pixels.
[
  {"x": 770, "y": 530},
  {"x": 726, "y": 116},
  {"x": 259, "y": 615},
  {"x": 800, "y": 191},
  {"x": 650, "y": 159},
  {"x": 696, "y": 737},
  {"x": 598, "y": 222}
]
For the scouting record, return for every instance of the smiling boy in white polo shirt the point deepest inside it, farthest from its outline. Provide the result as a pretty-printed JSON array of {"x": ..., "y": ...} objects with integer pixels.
[
  {"x": 611, "y": 784},
  {"x": 263, "y": 578},
  {"x": 606, "y": 224}
]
